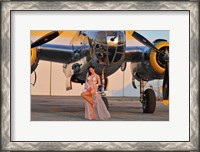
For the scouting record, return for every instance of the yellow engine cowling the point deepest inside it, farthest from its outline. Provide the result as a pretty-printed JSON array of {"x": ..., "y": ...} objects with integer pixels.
[
  {"x": 33, "y": 55},
  {"x": 153, "y": 60},
  {"x": 34, "y": 59}
]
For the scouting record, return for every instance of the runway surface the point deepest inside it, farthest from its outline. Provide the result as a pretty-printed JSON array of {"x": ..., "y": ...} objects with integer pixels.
[{"x": 71, "y": 108}]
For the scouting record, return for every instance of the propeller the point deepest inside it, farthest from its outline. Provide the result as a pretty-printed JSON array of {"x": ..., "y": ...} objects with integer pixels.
[
  {"x": 143, "y": 40},
  {"x": 166, "y": 85},
  {"x": 166, "y": 79},
  {"x": 46, "y": 38},
  {"x": 147, "y": 43}
]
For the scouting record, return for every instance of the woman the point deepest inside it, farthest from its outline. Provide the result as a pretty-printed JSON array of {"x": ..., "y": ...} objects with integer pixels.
[{"x": 94, "y": 107}]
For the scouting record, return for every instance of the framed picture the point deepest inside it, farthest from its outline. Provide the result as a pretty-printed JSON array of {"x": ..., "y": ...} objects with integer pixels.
[{"x": 24, "y": 127}]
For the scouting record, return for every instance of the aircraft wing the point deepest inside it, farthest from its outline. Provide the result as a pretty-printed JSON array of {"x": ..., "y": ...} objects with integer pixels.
[
  {"x": 62, "y": 53},
  {"x": 134, "y": 53},
  {"x": 41, "y": 50},
  {"x": 150, "y": 62}
]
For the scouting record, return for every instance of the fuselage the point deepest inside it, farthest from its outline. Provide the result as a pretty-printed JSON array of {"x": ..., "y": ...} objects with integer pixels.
[{"x": 107, "y": 51}]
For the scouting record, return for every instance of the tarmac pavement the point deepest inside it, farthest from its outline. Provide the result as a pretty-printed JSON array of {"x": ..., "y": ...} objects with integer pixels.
[{"x": 71, "y": 108}]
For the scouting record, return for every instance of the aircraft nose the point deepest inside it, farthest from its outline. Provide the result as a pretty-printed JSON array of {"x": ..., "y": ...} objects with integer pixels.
[
  {"x": 111, "y": 38},
  {"x": 110, "y": 46}
]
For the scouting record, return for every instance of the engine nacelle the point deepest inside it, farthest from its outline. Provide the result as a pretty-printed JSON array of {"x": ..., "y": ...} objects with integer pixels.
[
  {"x": 34, "y": 59},
  {"x": 153, "y": 64}
]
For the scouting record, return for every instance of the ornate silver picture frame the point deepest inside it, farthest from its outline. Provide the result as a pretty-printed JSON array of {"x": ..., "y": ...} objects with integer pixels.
[{"x": 7, "y": 7}]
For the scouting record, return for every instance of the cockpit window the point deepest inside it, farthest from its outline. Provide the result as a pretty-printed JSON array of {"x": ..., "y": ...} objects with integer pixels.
[
  {"x": 101, "y": 53},
  {"x": 122, "y": 38},
  {"x": 120, "y": 48},
  {"x": 111, "y": 33},
  {"x": 101, "y": 37},
  {"x": 109, "y": 46},
  {"x": 111, "y": 53}
]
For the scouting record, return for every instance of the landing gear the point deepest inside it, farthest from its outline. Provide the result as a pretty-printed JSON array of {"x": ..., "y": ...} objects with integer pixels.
[
  {"x": 103, "y": 94},
  {"x": 149, "y": 102},
  {"x": 147, "y": 98}
]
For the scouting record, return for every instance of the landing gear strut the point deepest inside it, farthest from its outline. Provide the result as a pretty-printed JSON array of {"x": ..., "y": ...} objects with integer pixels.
[
  {"x": 103, "y": 94},
  {"x": 147, "y": 98}
]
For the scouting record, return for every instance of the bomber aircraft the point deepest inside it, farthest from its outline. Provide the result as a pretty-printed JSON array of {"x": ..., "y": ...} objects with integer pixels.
[{"x": 107, "y": 52}]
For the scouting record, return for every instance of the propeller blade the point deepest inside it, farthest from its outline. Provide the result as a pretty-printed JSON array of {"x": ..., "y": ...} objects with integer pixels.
[
  {"x": 166, "y": 85},
  {"x": 46, "y": 38},
  {"x": 142, "y": 40}
]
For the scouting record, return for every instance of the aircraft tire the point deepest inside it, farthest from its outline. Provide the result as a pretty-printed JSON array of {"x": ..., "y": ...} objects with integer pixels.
[
  {"x": 106, "y": 102},
  {"x": 149, "y": 104}
]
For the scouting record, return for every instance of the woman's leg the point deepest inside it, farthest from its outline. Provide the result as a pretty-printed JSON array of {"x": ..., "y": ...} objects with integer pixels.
[
  {"x": 91, "y": 111},
  {"x": 88, "y": 97}
]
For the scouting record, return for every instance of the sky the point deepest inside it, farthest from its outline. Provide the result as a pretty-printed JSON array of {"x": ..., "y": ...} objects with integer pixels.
[{"x": 151, "y": 35}]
